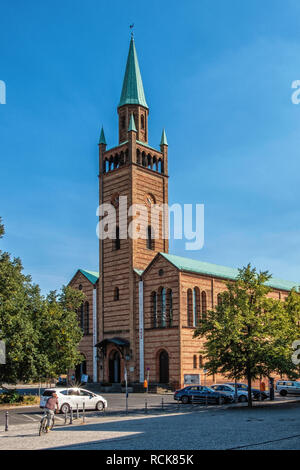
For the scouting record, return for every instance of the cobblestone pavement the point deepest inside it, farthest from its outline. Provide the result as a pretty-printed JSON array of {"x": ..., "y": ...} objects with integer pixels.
[{"x": 264, "y": 427}]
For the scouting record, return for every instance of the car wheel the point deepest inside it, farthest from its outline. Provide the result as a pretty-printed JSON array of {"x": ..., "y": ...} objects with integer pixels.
[
  {"x": 100, "y": 406},
  {"x": 65, "y": 408},
  {"x": 185, "y": 400},
  {"x": 243, "y": 399},
  {"x": 283, "y": 393}
]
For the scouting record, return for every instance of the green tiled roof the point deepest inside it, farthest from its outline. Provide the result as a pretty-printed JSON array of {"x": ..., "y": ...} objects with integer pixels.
[
  {"x": 132, "y": 124},
  {"x": 163, "y": 138},
  {"x": 92, "y": 276},
  {"x": 139, "y": 272},
  {"x": 200, "y": 267},
  {"x": 102, "y": 137},
  {"x": 133, "y": 90},
  {"x": 146, "y": 145}
]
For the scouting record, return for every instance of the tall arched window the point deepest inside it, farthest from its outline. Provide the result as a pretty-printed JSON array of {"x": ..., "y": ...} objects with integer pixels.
[
  {"x": 150, "y": 238},
  {"x": 197, "y": 305},
  {"x": 86, "y": 318},
  {"x": 81, "y": 317},
  {"x": 200, "y": 362},
  {"x": 170, "y": 307},
  {"x": 189, "y": 307},
  {"x": 204, "y": 305},
  {"x": 154, "y": 309},
  {"x": 116, "y": 293},
  {"x": 195, "y": 361},
  {"x": 163, "y": 307},
  {"x": 142, "y": 122}
]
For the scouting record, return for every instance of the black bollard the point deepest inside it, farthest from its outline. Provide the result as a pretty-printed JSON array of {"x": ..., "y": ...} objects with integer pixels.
[
  {"x": 146, "y": 406},
  {"x": 77, "y": 412},
  {"x": 6, "y": 421},
  {"x": 65, "y": 416},
  {"x": 83, "y": 413},
  {"x": 162, "y": 403},
  {"x": 71, "y": 415}
]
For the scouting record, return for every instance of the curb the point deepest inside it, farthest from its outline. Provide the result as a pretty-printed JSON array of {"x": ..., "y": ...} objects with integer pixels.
[{"x": 17, "y": 407}]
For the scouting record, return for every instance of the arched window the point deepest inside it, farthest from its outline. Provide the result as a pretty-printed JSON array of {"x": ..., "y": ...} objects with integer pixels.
[
  {"x": 116, "y": 161},
  {"x": 196, "y": 305},
  {"x": 200, "y": 362},
  {"x": 204, "y": 305},
  {"x": 154, "y": 309},
  {"x": 111, "y": 163},
  {"x": 142, "y": 122},
  {"x": 170, "y": 307},
  {"x": 195, "y": 361},
  {"x": 219, "y": 299},
  {"x": 117, "y": 242},
  {"x": 189, "y": 307},
  {"x": 150, "y": 238},
  {"x": 138, "y": 157},
  {"x": 162, "y": 307},
  {"x": 81, "y": 317},
  {"x": 123, "y": 122},
  {"x": 86, "y": 319},
  {"x": 116, "y": 293},
  {"x": 143, "y": 159}
]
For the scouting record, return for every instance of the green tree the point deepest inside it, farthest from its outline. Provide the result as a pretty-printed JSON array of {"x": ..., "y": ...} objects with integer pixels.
[
  {"x": 41, "y": 334},
  {"x": 248, "y": 334},
  {"x": 58, "y": 332}
]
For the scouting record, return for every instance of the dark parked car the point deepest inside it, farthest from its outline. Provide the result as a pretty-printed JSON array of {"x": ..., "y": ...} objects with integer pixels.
[
  {"x": 201, "y": 394},
  {"x": 255, "y": 391}
]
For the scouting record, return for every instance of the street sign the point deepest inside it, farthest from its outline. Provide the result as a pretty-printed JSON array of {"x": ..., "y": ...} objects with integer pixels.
[{"x": 2, "y": 352}]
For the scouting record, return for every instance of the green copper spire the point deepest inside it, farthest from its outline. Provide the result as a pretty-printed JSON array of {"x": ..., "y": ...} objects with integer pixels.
[
  {"x": 164, "y": 138},
  {"x": 133, "y": 90},
  {"x": 102, "y": 137},
  {"x": 132, "y": 124}
]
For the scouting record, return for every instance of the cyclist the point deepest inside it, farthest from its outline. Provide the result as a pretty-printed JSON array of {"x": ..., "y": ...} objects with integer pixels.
[{"x": 52, "y": 402}]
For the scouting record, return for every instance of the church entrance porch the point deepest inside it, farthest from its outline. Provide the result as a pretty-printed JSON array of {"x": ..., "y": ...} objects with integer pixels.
[{"x": 113, "y": 354}]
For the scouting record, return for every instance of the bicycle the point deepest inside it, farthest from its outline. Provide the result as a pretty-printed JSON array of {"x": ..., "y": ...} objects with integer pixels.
[{"x": 43, "y": 424}]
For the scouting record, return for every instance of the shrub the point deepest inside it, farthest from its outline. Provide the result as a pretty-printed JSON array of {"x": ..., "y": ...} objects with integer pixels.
[{"x": 11, "y": 396}]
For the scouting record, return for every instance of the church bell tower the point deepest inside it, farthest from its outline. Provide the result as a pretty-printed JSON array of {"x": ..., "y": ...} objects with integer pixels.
[{"x": 140, "y": 172}]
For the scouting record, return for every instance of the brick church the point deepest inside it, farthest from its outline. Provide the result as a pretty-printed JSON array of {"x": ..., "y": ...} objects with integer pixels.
[{"x": 143, "y": 305}]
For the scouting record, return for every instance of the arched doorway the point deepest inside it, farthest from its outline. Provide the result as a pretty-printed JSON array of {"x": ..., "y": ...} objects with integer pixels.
[
  {"x": 114, "y": 367},
  {"x": 164, "y": 367},
  {"x": 79, "y": 370}
]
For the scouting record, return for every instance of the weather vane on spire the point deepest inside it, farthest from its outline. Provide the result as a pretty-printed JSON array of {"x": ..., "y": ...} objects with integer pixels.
[{"x": 131, "y": 27}]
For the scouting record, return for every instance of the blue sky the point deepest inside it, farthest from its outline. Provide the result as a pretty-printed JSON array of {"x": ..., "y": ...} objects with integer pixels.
[{"x": 217, "y": 75}]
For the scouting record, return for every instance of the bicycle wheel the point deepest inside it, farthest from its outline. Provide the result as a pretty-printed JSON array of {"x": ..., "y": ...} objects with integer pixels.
[{"x": 43, "y": 426}]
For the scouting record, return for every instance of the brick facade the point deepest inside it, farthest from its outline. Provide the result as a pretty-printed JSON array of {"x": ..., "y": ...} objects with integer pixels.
[{"x": 139, "y": 172}]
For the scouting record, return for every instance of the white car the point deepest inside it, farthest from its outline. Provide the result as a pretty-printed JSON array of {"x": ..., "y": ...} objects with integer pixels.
[
  {"x": 288, "y": 386},
  {"x": 71, "y": 397},
  {"x": 229, "y": 390}
]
